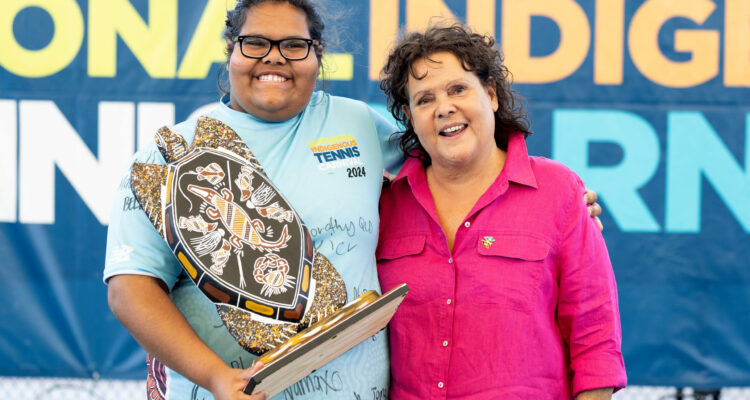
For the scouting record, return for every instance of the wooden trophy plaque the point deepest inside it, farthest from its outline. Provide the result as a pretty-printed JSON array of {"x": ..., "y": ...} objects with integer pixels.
[{"x": 325, "y": 340}]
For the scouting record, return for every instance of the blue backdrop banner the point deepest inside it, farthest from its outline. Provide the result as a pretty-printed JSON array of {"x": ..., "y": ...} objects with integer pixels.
[{"x": 648, "y": 101}]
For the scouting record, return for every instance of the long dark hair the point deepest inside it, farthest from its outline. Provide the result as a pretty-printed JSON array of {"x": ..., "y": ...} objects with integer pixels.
[{"x": 477, "y": 54}]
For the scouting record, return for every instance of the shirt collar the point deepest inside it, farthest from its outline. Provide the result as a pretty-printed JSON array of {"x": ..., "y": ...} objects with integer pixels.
[
  {"x": 517, "y": 166},
  {"x": 517, "y": 163}
]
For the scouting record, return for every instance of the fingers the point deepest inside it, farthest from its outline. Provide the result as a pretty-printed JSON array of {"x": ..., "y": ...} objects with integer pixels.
[
  {"x": 257, "y": 366},
  {"x": 595, "y": 210},
  {"x": 599, "y": 223},
  {"x": 248, "y": 373},
  {"x": 590, "y": 197},
  {"x": 259, "y": 396}
]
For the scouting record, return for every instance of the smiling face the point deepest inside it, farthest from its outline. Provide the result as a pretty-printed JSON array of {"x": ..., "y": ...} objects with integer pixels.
[
  {"x": 272, "y": 88},
  {"x": 452, "y": 112}
]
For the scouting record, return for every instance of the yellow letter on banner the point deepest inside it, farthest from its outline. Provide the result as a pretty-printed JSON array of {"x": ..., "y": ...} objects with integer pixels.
[
  {"x": 66, "y": 40},
  {"x": 154, "y": 45},
  {"x": 575, "y": 36},
  {"x": 737, "y": 43},
  {"x": 207, "y": 45},
  {"x": 643, "y": 41}
]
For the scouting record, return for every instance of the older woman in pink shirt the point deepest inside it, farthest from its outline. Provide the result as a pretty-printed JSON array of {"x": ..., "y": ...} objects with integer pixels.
[{"x": 512, "y": 294}]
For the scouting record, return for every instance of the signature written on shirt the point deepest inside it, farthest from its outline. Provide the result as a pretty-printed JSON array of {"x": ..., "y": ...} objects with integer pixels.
[
  {"x": 327, "y": 239},
  {"x": 324, "y": 382},
  {"x": 377, "y": 394}
]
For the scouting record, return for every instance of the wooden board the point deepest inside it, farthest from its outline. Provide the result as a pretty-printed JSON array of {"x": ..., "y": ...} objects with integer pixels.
[{"x": 324, "y": 341}]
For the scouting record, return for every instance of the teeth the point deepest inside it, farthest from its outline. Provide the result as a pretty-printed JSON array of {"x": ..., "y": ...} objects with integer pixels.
[
  {"x": 271, "y": 78},
  {"x": 453, "y": 129}
]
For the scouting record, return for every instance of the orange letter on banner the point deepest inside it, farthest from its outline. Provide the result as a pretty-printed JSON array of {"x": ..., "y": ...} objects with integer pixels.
[
  {"x": 383, "y": 31},
  {"x": 643, "y": 41},
  {"x": 480, "y": 16},
  {"x": 737, "y": 43},
  {"x": 575, "y": 36},
  {"x": 609, "y": 41},
  {"x": 420, "y": 13}
]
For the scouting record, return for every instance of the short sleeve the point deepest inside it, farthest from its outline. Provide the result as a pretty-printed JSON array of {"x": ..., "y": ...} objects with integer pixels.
[
  {"x": 134, "y": 247},
  {"x": 393, "y": 158}
]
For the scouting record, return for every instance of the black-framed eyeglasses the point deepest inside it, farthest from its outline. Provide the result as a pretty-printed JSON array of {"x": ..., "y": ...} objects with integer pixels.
[{"x": 293, "y": 49}]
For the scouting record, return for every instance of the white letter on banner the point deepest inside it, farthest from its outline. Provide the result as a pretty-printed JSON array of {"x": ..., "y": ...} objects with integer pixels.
[
  {"x": 694, "y": 150},
  {"x": 48, "y": 140},
  {"x": 617, "y": 186},
  {"x": 8, "y": 160},
  {"x": 151, "y": 117}
]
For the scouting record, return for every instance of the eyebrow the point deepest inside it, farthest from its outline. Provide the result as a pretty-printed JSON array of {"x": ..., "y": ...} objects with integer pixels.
[
  {"x": 418, "y": 93},
  {"x": 266, "y": 37}
]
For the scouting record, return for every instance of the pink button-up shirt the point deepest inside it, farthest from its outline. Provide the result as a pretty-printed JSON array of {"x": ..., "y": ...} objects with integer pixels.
[{"x": 525, "y": 307}]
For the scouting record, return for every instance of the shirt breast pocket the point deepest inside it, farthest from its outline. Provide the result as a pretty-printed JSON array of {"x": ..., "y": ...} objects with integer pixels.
[
  {"x": 399, "y": 262},
  {"x": 510, "y": 270}
]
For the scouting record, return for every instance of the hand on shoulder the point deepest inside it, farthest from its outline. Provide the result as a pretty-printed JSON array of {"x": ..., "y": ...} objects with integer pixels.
[{"x": 595, "y": 210}]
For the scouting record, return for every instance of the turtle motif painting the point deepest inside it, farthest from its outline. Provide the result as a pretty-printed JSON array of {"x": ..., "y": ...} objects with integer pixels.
[{"x": 236, "y": 236}]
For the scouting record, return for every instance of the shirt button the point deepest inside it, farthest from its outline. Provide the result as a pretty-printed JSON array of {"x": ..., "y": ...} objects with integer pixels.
[
  {"x": 467, "y": 224},
  {"x": 448, "y": 301},
  {"x": 440, "y": 385},
  {"x": 445, "y": 343},
  {"x": 450, "y": 261}
]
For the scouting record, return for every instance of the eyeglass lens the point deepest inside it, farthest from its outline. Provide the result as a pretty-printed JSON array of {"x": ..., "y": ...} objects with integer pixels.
[{"x": 291, "y": 49}]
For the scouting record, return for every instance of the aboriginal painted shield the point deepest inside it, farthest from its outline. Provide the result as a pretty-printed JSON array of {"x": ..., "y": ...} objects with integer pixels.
[{"x": 236, "y": 236}]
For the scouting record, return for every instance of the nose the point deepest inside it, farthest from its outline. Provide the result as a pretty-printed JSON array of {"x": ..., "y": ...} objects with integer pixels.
[
  {"x": 274, "y": 56},
  {"x": 445, "y": 107}
]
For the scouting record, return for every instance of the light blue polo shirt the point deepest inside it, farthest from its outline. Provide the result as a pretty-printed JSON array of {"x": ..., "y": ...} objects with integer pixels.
[{"x": 336, "y": 195}]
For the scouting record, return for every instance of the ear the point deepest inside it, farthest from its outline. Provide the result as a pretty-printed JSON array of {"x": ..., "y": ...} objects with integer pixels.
[
  {"x": 493, "y": 94},
  {"x": 230, "y": 50},
  {"x": 406, "y": 111}
]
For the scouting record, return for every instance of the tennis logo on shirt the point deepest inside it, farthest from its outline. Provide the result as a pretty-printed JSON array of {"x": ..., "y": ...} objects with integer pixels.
[{"x": 336, "y": 152}]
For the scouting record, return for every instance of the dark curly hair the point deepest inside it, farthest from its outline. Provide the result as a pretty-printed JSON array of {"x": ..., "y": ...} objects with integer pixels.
[
  {"x": 236, "y": 19},
  {"x": 477, "y": 54}
]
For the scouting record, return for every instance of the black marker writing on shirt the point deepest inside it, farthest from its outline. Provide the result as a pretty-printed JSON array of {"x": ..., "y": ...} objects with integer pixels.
[{"x": 317, "y": 382}]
